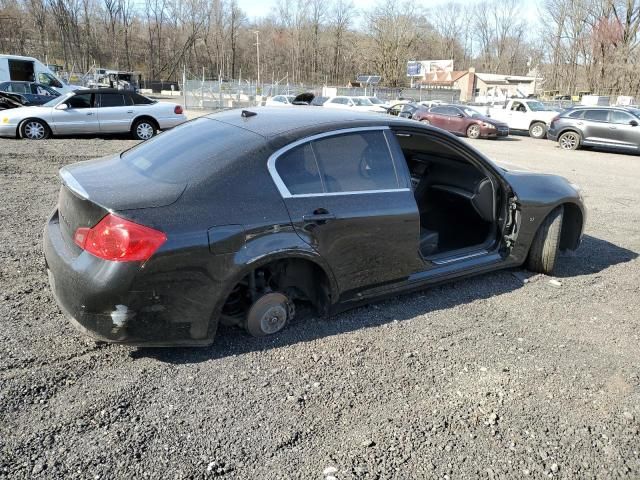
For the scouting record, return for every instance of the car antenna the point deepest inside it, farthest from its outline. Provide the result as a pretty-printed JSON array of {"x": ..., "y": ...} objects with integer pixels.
[{"x": 247, "y": 114}]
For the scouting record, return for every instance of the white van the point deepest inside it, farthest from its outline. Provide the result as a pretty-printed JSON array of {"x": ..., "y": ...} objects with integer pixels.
[{"x": 27, "y": 69}]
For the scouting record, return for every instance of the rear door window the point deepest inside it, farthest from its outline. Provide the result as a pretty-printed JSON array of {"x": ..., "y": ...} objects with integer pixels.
[
  {"x": 355, "y": 162},
  {"x": 112, "y": 100},
  {"x": 596, "y": 115}
]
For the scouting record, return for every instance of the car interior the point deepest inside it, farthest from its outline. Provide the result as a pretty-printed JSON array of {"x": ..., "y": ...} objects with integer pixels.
[{"x": 456, "y": 199}]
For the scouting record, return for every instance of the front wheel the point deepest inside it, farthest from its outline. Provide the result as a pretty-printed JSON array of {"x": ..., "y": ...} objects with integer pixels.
[
  {"x": 144, "y": 129},
  {"x": 538, "y": 130},
  {"x": 569, "y": 141},
  {"x": 34, "y": 130},
  {"x": 544, "y": 248},
  {"x": 473, "y": 131}
]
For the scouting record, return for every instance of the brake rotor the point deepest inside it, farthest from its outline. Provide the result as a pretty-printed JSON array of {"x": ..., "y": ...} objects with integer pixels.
[{"x": 269, "y": 314}]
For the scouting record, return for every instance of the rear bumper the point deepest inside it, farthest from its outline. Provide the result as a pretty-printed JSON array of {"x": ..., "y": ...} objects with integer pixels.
[
  {"x": 552, "y": 135},
  {"x": 122, "y": 302},
  {"x": 169, "y": 122}
]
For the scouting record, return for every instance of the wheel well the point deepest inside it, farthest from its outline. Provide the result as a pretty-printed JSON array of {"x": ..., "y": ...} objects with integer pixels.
[
  {"x": 533, "y": 122},
  {"x": 571, "y": 227},
  {"x": 147, "y": 118},
  {"x": 300, "y": 279}
]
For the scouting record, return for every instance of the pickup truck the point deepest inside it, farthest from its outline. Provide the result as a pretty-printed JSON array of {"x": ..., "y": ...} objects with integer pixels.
[{"x": 525, "y": 114}]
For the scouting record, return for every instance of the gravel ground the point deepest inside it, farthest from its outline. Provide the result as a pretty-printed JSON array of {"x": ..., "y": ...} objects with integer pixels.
[{"x": 502, "y": 376}]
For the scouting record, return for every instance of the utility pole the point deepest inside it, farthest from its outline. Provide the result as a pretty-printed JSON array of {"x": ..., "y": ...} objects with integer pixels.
[{"x": 257, "y": 32}]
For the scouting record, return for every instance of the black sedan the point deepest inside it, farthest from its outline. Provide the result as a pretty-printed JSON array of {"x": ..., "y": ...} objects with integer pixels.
[
  {"x": 33, "y": 93},
  {"x": 238, "y": 216}
]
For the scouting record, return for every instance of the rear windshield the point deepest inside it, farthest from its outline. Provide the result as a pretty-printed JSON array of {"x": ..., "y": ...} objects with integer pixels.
[{"x": 191, "y": 151}]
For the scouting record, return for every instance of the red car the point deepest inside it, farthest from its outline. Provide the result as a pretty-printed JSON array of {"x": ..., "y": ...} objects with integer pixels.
[{"x": 462, "y": 120}]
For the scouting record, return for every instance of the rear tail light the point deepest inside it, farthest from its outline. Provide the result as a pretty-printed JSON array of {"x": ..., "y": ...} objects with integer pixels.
[
  {"x": 178, "y": 110},
  {"x": 119, "y": 240}
]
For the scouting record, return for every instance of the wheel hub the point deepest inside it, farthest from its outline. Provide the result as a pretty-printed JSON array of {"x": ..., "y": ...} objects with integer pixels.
[
  {"x": 269, "y": 314},
  {"x": 34, "y": 130},
  {"x": 145, "y": 131}
]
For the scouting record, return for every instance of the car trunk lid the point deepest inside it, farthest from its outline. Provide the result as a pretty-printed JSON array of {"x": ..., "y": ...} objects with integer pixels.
[{"x": 92, "y": 189}]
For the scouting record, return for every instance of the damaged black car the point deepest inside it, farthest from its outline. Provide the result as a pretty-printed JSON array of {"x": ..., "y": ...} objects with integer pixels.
[{"x": 240, "y": 217}]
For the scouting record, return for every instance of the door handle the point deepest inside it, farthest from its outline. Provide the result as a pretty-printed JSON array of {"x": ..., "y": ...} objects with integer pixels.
[
  {"x": 318, "y": 215},
  {"x": 130, "y": 111},
  {"x": 90, "y": 113}
]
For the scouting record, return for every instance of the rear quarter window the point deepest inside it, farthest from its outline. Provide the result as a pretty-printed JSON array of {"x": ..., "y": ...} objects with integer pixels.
[
  {"x": 141, "y": 100},
  {"x": 193, "y": 151}
]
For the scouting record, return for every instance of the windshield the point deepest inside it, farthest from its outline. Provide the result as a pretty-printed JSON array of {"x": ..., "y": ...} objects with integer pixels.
[
  {"x": 634, "y": 111},
  {"x": 290, "y": 98},
  {"x": 537, "y": 106},
  {"x": 57, "y": 100},
  {"x": 362, "y": 102},
  {"x": 470, "y": 112}
]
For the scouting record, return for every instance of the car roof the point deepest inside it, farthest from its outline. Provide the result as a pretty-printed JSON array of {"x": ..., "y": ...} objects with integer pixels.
[
  {"x": 273, "y": 121},
  {"x": 82, "y": 91}
]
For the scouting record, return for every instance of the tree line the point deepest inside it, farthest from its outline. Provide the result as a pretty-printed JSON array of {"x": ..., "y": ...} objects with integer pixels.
[{"x": 572, "y": 44}]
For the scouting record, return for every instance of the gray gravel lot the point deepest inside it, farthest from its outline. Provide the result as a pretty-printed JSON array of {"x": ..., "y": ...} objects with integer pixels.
[{"x": 484, "y": 378}]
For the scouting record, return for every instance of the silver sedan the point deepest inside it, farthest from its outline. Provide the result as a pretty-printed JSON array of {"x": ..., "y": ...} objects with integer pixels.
[{"x": 101, "y": 111}]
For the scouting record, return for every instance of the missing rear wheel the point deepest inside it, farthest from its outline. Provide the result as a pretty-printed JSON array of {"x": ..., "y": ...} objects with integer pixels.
[{"x": 269, "y": 314}]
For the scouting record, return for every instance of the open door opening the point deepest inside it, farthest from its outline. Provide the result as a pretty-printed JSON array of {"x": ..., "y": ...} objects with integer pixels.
[{"x": 457, "y": 199}]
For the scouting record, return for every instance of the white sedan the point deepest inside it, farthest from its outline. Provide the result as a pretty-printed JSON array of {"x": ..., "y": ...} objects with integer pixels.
[
  {"x": 102, "y": 111},
  {"x": 280, "y": 101},
  {"x": 361, "y": 104}
]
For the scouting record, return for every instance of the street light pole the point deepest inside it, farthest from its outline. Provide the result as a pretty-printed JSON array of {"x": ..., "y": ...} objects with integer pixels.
[{"x": 257, "y": 32}]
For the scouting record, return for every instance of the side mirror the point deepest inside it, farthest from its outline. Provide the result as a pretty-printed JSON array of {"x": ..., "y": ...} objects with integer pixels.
[
  {"x": 62, "y": 106},
  {"x": 633, "y": 123}
]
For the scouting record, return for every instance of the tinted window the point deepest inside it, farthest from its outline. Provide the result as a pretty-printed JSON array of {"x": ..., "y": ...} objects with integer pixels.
[
  {"x": 440, "y": 110},
  {"x": 192, "y": 151},
  {"x": 576, "y": 114},
  {"x": 140, "y": 100},
  {"x": 355, "y": 162},
  {"x": 596, "y": 115},
  {"x": 19, "y": 88},
  {"x": 112, "y": 100},
  {"x": 621, "y": 117},
  {"x": 299, "y": 171},
  {"x": 80, "y": 101}
]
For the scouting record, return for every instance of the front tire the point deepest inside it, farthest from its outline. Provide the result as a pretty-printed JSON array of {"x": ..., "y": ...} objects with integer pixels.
[
  {"x": 144, "y": 129},
  {"x": 34, "y": 130},
  {"x": 569, "y": 141},
  {"x": 546, "y": 244},
  {"x": 538, "y": 130},
  {"x": 473, "y": 131}
]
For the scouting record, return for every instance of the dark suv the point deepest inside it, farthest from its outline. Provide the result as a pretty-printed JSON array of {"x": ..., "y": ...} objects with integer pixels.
[{"x": 616, "y": 127}]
